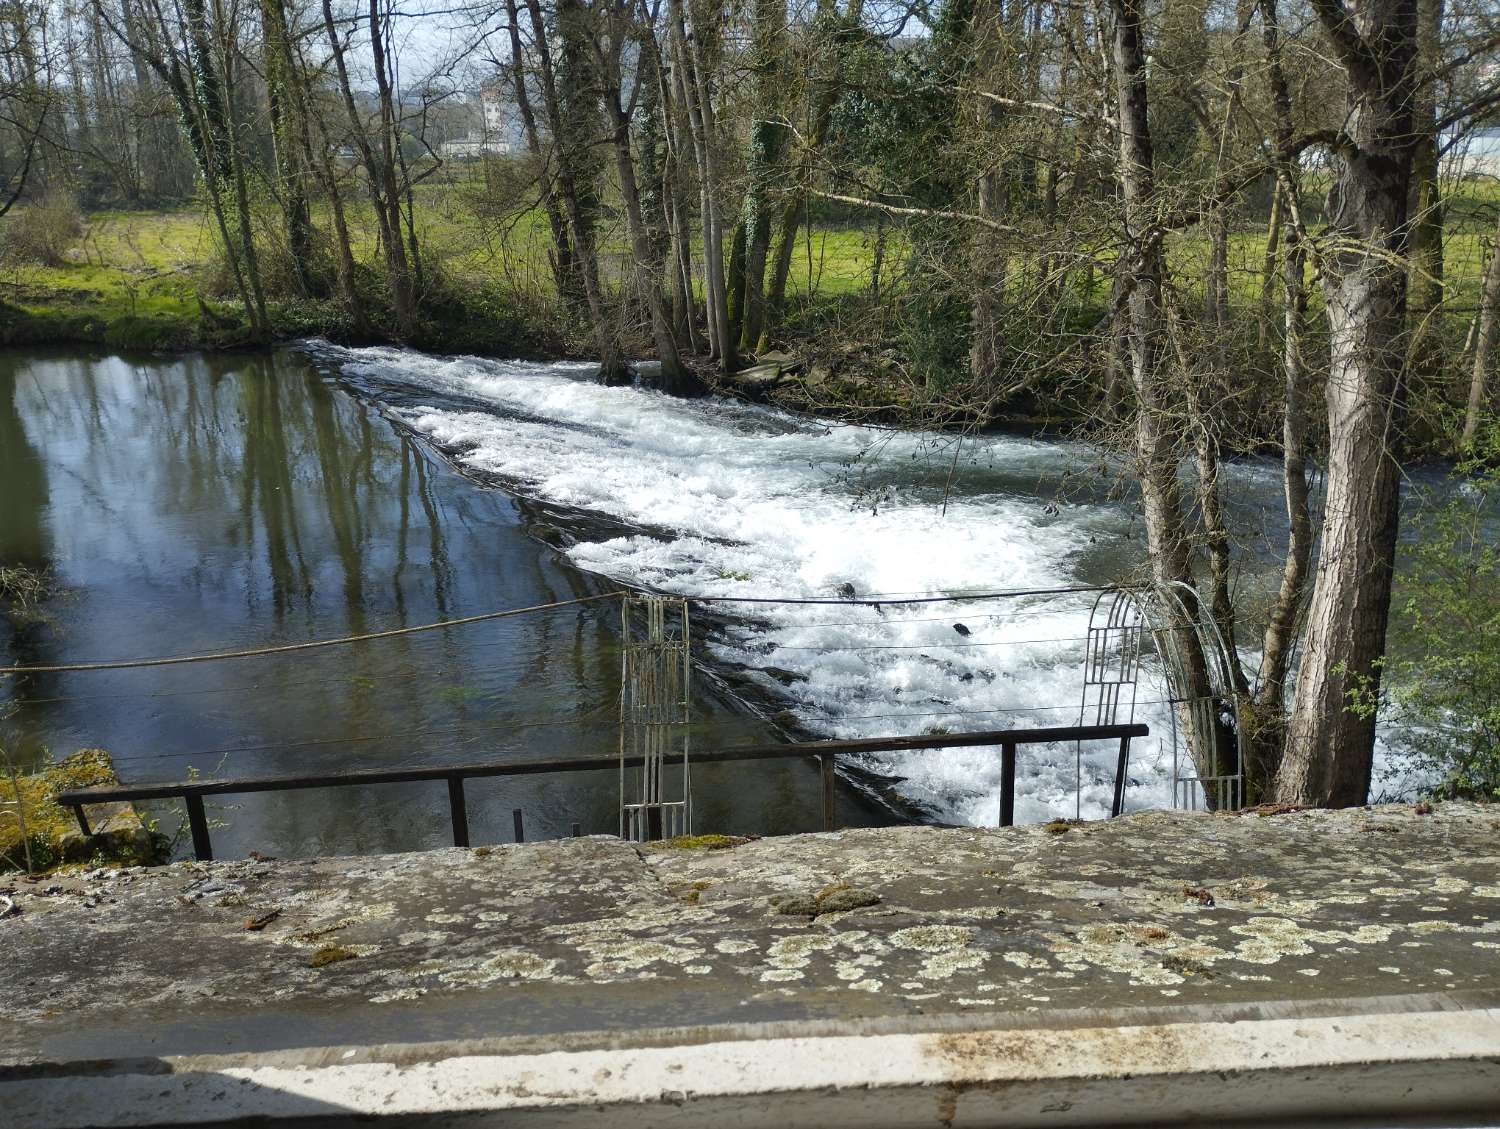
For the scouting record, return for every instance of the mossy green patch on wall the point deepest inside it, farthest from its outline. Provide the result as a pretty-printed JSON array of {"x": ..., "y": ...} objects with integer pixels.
[{"x": 120, "y": 837}]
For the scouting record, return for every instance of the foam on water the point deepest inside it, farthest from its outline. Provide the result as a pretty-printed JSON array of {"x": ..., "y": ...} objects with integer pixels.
[{"x": 755, "y": 502}]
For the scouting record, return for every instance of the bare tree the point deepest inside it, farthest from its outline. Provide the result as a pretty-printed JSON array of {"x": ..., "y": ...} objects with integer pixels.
[
  {"x": 617, "y": 27},
  {"x": 378, "y": 156}
]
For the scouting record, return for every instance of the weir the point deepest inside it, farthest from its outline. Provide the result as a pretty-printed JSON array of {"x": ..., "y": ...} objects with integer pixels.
[
  {"x": 1161, "y": 967},
  {"x": 656, "y": 671},
  {"x": 617, "y": 484}
]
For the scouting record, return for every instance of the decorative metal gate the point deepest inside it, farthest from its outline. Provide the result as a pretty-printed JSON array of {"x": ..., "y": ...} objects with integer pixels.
[
  {"x": 1217, "y": 775},
  {"x": 654, "y": 717}
]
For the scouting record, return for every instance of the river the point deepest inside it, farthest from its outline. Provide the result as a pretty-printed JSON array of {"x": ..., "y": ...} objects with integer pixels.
[{"x": 209, "y": 502}]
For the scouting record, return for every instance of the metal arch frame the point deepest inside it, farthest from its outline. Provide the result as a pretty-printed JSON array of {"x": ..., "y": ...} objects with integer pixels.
[
  {"x": 1112, "y": 662},
  {"x": 1168, "y": 611},
  {"x": 655, "y": 676}
]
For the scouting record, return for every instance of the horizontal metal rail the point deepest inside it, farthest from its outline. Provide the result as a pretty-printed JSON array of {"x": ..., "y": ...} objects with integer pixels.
[{"x": 193, "y": 791}]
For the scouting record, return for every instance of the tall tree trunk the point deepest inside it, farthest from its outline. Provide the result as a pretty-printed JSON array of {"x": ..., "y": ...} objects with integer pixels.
[
  {"x": 285, "y": 130},
  {"x": 398, "y": 266},
  {"x": 764, "y": 161},
  {"x": 647, "y": 266},
  {"x": 224, "y": 171},
  {"x": 794, "y": 210},
  {"x": 1157, "y": 450},
  {"x": 988, "y": 258},
  {"x": 1425, "y": 298},
  {"x": 675, "y": 204},
  {"x": 694, "y": 90},
  {"x": 380, "y": 178},
  {"x": 1330, "y": 745},
  {"x": 317, "y": 150},
  {"x": 1268, "y": 263},
  {"x": 570, "y": 98},
  {"x": 1267, "y": 712}
]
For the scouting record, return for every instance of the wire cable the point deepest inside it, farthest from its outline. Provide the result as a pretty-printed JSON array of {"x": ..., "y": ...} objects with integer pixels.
[
  {"x": 129, "y": 664},
  {"x": 881, "y": 601}
]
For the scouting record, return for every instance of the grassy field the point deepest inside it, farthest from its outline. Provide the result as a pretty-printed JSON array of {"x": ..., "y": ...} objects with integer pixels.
[
  {"x": 129, "y": 267},
  {"x": 137, "y": 277}
]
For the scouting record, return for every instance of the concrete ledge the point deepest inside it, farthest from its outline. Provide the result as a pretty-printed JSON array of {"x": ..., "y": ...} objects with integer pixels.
[
  {"x": 1153, "y": 969},
  {"x": 1398, "y": 1069}
]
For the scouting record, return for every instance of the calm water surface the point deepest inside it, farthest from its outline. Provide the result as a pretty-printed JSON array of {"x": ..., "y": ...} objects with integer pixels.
[{"x": 209, "y": 503}]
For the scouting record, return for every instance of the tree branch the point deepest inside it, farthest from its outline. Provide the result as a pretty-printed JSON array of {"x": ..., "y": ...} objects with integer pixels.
[
  {"x": 1039, "y": 107},
  {"x": 1350, "y": 46},
  {"x": 928, "y": 213}
]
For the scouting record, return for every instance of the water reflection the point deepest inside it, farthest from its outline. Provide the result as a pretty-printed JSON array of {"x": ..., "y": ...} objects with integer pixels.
[
  {"x": 23, "y": 490},
  {"x": 204, "y": 503}
]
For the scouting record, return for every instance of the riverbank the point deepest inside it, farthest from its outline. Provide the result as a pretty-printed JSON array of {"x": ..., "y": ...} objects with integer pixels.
[
  {"x": 1006, "y": 955},
  {"x": 146, "y": 281},
  {"x": 863, "y": 345},
  {"x": 476, "y": 322},
  {"x": 844, "y": 384}
]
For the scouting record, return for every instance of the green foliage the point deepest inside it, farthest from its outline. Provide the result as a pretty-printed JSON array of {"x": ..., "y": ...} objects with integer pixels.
[
  {"x": 935, "y": 337},
  {"x": 48, "y": 825},
  {"x": 1447, "y": 689}
]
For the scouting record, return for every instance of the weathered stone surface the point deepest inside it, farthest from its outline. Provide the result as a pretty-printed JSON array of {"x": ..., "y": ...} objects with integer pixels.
[
  {"x": 1153, "y": 910},
  {"x": 756, "y": 378}
]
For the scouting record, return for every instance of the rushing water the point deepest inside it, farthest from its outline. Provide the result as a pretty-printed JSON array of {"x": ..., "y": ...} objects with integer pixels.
[
  {"x": 206, "y": 503},
  {"x": 725, "y": 500}
]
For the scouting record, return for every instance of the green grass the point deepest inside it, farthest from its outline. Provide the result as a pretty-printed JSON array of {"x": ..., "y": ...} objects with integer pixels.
[
  {"x": 135, "y": 278},
  {"x": 130, "y": 281}
]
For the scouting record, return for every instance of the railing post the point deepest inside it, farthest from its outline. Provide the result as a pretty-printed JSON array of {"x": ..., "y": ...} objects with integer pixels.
[
  {"x": 458, "y": 811},
  {"x": 518, "y": 819},
  {"x": 203, "y": 850},
  {"x": 830, "y": 818},
  {"x": 1008, "y": 784},
  {"x": 83, "y": 820},
  {"x": 1119, "y": 803}
]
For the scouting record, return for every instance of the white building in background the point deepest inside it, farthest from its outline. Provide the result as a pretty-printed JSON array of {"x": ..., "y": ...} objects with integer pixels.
[
  {"x": 472, "y": 148},
  {"x": 494, "y": 138},
  {"x": 496, "y": 112},
  {"x": 1476, "y": 154}
]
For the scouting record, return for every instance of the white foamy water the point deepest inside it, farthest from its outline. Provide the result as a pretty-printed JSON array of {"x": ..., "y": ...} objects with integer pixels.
[{"x": 754, "y": 502}]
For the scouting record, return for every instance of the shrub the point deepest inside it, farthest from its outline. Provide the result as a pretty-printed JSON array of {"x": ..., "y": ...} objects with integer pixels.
[
  {"x": 42, "y": 232},
  {"x": 1446, "y": 688}
]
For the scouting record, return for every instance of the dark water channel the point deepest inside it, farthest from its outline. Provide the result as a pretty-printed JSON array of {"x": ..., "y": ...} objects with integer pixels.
[{"x": 217, "y": 502}]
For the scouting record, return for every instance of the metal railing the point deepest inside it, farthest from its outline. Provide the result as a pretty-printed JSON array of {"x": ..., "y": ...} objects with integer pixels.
[{"x": 192, "y": 792}]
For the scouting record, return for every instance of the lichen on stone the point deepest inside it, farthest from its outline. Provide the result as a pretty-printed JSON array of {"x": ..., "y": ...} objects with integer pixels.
[
  {"x": 699, "y": 843},
  {"x": 330, "y": 954}
]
